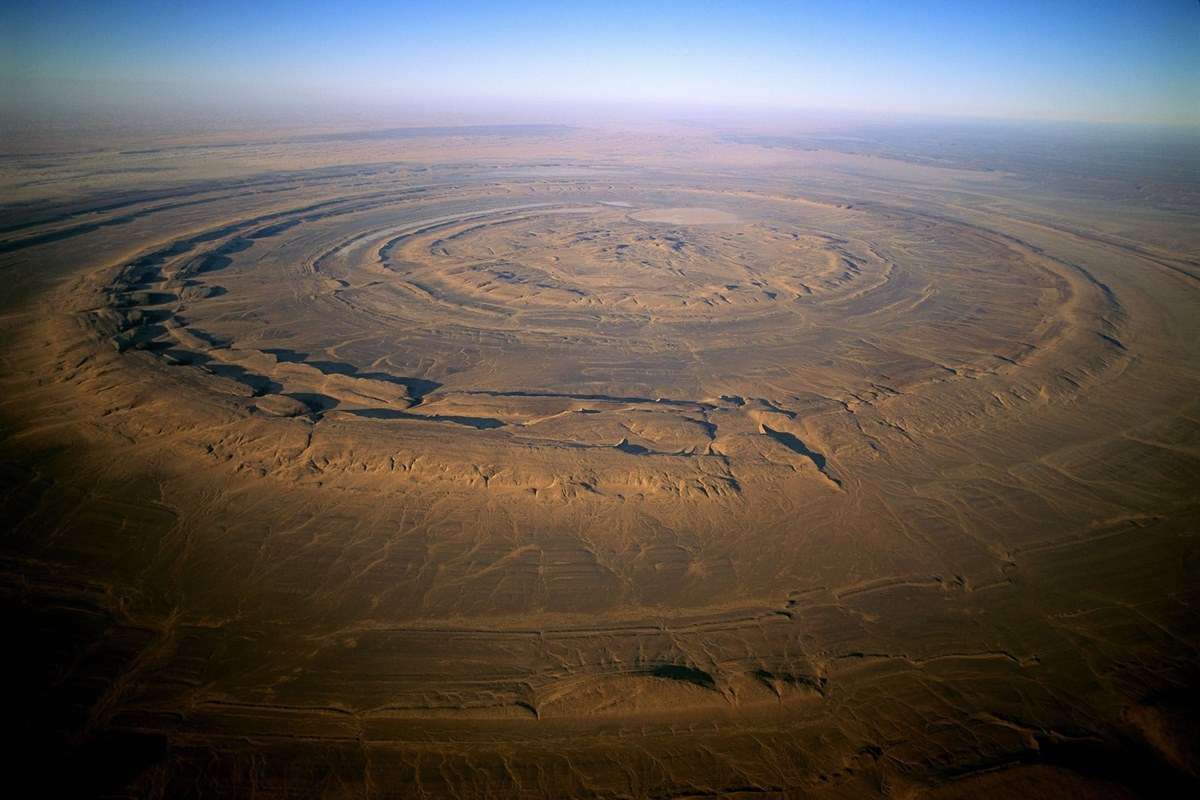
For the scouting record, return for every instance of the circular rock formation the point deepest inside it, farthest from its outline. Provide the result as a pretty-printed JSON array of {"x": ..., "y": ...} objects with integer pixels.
[
  {"x": 602, "y": 322},
  {"x": 469, "y": 475}
]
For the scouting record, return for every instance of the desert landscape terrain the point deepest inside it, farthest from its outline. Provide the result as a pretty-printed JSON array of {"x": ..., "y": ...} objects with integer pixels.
[{"x": 600, "y": 461}]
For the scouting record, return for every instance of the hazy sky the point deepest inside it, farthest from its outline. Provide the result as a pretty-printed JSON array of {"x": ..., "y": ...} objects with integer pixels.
[{"x": 1135, "y": 60}]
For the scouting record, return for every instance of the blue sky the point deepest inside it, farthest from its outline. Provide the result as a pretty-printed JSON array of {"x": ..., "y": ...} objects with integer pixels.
[{"x": 1121, "y": 61}]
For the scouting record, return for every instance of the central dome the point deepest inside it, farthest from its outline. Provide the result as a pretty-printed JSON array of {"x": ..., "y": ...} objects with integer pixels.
[{"x": 660, "y": 263}]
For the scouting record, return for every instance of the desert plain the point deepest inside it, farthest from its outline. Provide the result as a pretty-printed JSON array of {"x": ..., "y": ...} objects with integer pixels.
[{"x": 599, "y": 461}]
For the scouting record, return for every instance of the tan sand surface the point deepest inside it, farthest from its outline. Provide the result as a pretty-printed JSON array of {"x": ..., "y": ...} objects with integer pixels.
[{"x": 563, "y": 464}]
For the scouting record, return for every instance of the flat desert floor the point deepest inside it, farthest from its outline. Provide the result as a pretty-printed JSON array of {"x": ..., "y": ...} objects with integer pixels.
[{"x": 539, "y": 461}]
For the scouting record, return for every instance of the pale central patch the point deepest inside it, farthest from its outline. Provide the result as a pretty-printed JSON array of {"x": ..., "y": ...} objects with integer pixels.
[{"x": 686, "y": 216}]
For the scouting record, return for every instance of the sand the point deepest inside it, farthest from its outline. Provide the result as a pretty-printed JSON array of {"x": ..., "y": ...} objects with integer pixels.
[
  {"x": 686, "y": 216},
  {"x": 769, "y": 472}
]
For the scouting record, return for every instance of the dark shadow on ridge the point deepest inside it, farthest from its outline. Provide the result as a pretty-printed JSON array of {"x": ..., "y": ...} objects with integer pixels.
[
  {"x": 794, "y": 444},
  {"x": 316, "y": 403},
  {"x": 603, "y": 398},
  {"x": 691, "y": 675},
  {"x": 479, "y": 423}
]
